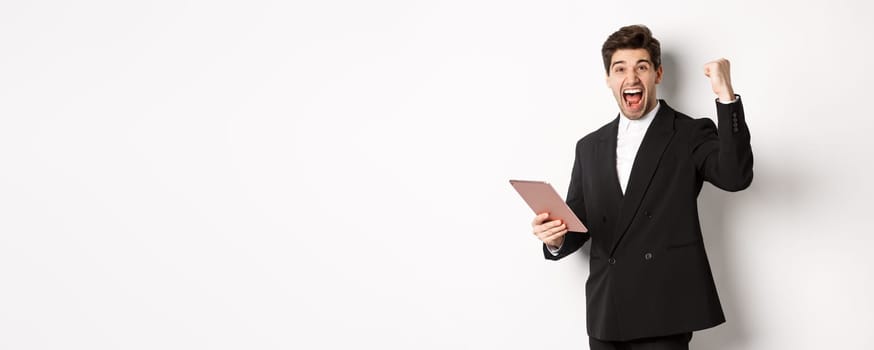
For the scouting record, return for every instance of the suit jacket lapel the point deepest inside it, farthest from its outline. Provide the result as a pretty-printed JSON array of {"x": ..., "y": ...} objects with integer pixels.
[
  {"x": 656, "y": 139},
  {"x": 607, "y": 161},
  {"x": 609, "y": 194}
]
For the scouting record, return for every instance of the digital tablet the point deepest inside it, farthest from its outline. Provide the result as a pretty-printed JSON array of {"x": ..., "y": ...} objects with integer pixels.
[{"x": 542, "y": 198}]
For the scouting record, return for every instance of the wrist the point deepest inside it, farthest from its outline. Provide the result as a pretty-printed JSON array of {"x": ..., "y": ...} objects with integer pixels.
[
  {"x": 726, "y": 95},
  {"x": 555, "y": 244}
]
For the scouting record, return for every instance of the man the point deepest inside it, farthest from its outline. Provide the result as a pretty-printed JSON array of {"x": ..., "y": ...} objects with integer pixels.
[{"x": 635, "y": 183}]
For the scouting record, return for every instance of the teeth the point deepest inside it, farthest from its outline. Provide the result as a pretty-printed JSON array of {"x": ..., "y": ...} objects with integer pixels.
[{"x": 632, "y": 91}]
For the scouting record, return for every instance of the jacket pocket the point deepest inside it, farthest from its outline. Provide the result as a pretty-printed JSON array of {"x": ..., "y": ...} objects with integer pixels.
[{"x": 684, "y": 244}]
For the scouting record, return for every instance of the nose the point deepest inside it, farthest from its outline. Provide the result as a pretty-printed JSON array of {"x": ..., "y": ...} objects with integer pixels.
[{"x": 632, "y": 76}]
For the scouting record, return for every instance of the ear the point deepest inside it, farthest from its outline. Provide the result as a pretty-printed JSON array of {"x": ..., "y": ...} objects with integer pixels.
[
  {"x": 607, "y": 80},
  {"x": 659, "y": 73}
]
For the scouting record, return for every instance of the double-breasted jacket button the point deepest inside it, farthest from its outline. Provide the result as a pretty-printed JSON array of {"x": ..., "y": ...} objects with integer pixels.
[
  {"x": 647, "y": 256},
  {"x": 648, "y": 214},
  {"x": 604, "y": 218},
  {"x": 612, "y": 261}
]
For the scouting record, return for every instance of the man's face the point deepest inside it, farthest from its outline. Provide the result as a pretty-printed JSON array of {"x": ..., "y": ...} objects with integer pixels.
[{"x": 633, "y": 81}]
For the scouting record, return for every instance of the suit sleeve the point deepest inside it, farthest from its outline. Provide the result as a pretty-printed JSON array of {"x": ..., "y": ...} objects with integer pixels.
[
  {"x": 724, "y": 157},
  {"x": 572, "y": 240}
]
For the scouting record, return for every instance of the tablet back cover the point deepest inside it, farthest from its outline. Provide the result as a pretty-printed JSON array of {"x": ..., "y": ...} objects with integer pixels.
[{"x": 542, "y": 198}]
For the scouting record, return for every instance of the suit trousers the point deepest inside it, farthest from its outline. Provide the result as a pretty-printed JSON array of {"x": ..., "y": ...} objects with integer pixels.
[{"x": 671, "y": 342}]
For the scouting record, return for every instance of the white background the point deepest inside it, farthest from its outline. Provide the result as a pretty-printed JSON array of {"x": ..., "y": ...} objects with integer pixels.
[{"x": 333, "y": 174}]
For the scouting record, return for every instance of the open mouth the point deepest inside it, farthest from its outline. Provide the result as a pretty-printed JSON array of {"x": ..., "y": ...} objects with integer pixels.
[{"x": 633, "y": 98}]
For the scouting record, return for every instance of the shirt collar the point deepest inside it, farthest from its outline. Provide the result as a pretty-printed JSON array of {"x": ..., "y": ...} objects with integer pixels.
[{"x": 642, "y": 122}]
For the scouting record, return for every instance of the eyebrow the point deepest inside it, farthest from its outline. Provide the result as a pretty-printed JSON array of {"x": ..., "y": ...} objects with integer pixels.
[{"x": 638, "y": 61}]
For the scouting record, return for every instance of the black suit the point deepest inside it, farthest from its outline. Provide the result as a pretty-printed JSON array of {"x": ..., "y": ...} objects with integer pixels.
[{"x": 649, "y": 275}]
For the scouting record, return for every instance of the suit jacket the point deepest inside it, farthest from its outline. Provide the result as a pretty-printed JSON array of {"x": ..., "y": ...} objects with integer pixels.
[{"x": 649, "y": 275}]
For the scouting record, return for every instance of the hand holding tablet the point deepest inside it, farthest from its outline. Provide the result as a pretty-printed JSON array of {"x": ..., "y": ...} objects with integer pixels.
[{"x": 542, "y": 198}]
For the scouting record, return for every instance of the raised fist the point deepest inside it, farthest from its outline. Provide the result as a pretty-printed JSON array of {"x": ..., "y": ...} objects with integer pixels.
[{"x": 719, "y": 72}]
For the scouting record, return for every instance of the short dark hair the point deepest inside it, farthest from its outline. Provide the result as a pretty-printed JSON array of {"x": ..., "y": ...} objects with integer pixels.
[{"x": 635, "y": 36}]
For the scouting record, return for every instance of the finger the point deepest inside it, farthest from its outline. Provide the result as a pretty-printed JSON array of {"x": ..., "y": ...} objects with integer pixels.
[
  {"x": 539, "y": 219},
  {"x": 554, "y": 239},
  {"x": 553, "y": 223},
  {"x": 555, "y": 235},
  {"x": 554, "y": 230},
  {"x": 543, "y": 231},
  {"x": 547, "y": 226},
  {"x": 540, "y": 229}
]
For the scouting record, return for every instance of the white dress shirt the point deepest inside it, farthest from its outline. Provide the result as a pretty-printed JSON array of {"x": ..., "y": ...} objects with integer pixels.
[{"x": 628, "y": 141}]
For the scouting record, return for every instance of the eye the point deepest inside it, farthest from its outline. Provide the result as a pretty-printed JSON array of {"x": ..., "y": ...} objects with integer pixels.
[
  {"x": 618, "y": 69},
  {"x": 642, "y": 68}
]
